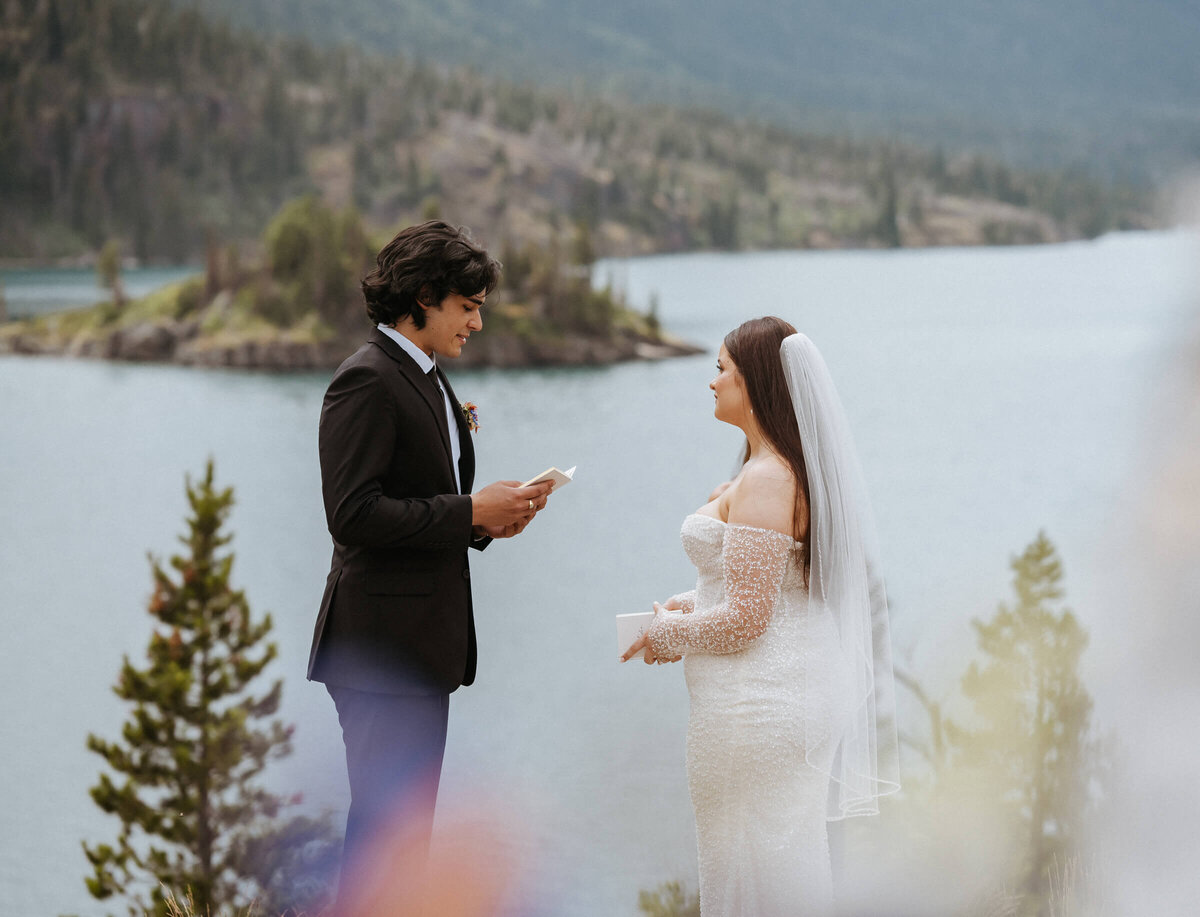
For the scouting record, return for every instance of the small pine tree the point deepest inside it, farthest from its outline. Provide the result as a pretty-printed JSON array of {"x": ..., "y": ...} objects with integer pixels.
[
  {"x": 108, "y": 266},
  {"x": 1031, "y": 732},
  {"x": 315, "y": 259},
  {"x": 583, "y": 249},
  {"x": 887, "y": 227},
  {"x": 194, "y": 821},
  {"x": 652, "y": 319}
]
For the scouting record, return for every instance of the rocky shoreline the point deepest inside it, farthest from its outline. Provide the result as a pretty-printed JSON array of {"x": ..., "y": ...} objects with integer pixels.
[{"x": 182, "y": 343}]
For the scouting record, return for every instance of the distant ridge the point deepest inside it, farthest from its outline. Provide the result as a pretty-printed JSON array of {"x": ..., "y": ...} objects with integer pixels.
[
  {"x": 1110, "y": 87},
  {"x": 168, "y": 133}
]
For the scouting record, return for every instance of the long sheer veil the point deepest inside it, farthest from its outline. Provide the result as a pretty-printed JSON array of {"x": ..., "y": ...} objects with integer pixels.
[{"x": 845, "y": 578}]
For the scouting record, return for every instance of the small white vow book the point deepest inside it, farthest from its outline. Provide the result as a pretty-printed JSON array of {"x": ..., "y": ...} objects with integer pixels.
[
  {"x": 560, "y": 478},
  {"x": 629, "y": 628}
]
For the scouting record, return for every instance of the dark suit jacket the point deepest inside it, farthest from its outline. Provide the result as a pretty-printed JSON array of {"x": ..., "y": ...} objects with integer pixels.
[{"x": 396, "y": 616}]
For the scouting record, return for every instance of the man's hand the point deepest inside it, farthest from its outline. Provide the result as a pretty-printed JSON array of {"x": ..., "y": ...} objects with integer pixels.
[
  {"x": 498, "y": 531},
  {"x": 503, "y": 509}
]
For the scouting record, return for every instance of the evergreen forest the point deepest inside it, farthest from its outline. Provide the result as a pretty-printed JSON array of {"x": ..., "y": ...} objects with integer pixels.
[{"x": 148, "y": 124}]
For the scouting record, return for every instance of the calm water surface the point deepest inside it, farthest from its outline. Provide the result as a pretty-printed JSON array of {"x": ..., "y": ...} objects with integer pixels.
[
  {"x": 36, "y": 291},
  {"x": 993, "y": 393}
]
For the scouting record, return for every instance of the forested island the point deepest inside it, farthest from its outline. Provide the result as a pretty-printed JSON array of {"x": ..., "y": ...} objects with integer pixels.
[
  {"x": 144, "y": 126},
  {"x": 297, "y": 305}
]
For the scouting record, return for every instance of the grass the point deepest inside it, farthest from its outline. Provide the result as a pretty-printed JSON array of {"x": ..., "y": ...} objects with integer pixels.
[{"x": 186, "y": 907}]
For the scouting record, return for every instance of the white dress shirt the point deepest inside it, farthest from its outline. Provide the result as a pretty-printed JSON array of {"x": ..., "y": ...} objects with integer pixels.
[{"x": 426, "y": 362}]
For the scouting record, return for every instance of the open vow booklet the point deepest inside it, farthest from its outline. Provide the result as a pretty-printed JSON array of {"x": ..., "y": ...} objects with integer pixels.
[
  {"x": 629, "y": 628},
  {"x": 560, "y": 478}
]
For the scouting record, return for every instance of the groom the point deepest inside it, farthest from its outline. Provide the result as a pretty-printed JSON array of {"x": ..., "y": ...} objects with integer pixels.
[{"x": 395, "y": 634}]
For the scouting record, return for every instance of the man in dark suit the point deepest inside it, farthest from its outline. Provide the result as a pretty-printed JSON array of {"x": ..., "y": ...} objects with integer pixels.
[{"x": 396, "y": 634}]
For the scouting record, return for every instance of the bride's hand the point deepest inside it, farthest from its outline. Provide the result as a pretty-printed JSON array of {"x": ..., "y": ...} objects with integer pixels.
[
  {"x": 643, "y": 642},
  {"x": 639, "y": 644}
]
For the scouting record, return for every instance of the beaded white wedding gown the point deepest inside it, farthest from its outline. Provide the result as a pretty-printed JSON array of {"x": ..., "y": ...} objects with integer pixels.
[{"x": 767, "y": 684}]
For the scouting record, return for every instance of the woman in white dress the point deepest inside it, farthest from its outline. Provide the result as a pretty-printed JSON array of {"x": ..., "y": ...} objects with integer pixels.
[{"x": 784, "y": 639}]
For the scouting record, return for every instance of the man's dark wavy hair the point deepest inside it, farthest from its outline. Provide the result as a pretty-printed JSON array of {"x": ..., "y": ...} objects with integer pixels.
[{"x": 425, "y": 264}]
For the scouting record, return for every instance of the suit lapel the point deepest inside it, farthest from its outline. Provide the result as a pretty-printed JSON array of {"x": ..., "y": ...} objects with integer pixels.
[
  {"x": 466, "y": 449},
  {"x": 419, "y": 381}
]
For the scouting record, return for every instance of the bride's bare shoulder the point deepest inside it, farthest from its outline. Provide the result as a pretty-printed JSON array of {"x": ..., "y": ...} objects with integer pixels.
[{"x": 765, "y": 496}]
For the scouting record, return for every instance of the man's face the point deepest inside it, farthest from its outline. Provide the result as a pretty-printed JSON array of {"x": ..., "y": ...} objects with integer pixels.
[{"x": 449, "y": 324}]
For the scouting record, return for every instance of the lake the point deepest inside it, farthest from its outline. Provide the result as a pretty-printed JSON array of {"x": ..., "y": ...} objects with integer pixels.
[
  {"x": 30, "y": 292},
  {"x": 993, "y": 393}
]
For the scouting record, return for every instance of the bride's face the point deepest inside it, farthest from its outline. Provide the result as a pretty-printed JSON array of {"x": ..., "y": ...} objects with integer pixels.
[{"x": 733, "y": 405}]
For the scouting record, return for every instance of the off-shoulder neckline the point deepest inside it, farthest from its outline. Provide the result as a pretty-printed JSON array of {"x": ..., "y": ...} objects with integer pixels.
[{"x": 753, "y": 528}]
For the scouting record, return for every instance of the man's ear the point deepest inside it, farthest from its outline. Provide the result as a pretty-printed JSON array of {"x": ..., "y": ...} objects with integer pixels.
[{"x": 425, "y": 297}]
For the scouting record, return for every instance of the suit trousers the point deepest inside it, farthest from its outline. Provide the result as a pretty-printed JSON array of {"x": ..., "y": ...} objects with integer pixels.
[{"x": 394, "y": 749}]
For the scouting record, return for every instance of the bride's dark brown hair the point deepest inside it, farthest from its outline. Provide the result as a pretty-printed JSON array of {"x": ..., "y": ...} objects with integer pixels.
[{"x": 753, "y": 347}]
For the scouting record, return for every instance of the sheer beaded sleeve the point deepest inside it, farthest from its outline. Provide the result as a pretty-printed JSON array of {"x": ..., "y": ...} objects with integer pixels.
[
  {"x": 754, "y": 562},
  {"x": 686, "y": 600}
]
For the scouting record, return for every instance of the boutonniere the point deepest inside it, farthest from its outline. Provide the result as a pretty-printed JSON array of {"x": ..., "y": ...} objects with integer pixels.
[{"x": 470, "y": 414}]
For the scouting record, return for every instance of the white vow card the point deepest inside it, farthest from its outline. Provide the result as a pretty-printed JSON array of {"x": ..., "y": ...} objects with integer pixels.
[
  {"x": 629, "y": 628},
  {"x": 555, "y": 476}
]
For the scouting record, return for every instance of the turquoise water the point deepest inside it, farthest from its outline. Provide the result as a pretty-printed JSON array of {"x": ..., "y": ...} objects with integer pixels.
[
  {"x": 34, "y": 291},
  {"x": 993, "y": 392}
]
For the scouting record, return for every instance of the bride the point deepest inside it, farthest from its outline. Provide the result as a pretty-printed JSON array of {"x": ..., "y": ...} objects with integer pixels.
[{"x": 784, "y": 639}]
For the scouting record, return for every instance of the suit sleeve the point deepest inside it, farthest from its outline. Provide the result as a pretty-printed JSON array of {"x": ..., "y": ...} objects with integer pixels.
[{"x": 357, "y": 444}]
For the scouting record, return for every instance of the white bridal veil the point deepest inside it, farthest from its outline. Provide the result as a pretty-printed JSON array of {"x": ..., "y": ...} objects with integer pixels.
[{"x": 845, "y": 578}]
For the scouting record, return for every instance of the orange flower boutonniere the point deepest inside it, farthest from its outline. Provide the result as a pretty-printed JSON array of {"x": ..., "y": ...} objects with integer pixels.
[{"x": 470, "y": 415}]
